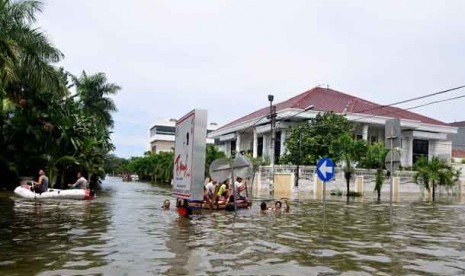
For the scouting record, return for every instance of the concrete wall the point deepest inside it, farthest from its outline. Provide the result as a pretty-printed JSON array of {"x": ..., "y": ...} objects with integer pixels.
[
  {"x": 458, "y": 140},
  {"x": 163, "y": 146},
  {"x": 441, "y": 149},
  {"x": 246, "y": 142}
]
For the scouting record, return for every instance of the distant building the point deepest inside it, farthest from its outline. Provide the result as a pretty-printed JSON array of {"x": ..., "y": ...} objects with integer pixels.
[
  {"x": 162, "y": 135},
  {"x": 458, "y": 140},
  {"x": 421, "y": 135}
]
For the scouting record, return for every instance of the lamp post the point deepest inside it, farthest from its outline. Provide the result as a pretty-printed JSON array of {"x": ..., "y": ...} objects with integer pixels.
[{"x": 272, "y": 144}]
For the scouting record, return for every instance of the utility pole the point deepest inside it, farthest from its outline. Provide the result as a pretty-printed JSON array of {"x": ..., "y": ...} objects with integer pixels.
[
  {"x": 272, "y": 118},
  {"x": 297, "y": 172}
]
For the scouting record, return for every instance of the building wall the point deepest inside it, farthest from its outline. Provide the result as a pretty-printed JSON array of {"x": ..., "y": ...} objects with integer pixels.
[
  {"x": 458, "y": 140},
  {"x": 375, "y": 133},
  {"x": 441, "y": 149},
  {"x": 246, "y": 142},
  {"x": 162, "y": 146}
]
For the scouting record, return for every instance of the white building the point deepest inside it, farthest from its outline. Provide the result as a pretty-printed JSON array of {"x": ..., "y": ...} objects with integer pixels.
[
  {"x": 421, "y": 135},
  {"x": 162, "y": 135}
]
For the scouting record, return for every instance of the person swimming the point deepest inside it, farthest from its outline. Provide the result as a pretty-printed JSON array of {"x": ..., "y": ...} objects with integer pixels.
[{"x": 166, "y": 204}]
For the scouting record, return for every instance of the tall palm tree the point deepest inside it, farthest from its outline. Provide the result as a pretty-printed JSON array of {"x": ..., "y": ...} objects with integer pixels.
[
  {"x": 25, "y": 53},
  {"x": 93, "y": 91}
]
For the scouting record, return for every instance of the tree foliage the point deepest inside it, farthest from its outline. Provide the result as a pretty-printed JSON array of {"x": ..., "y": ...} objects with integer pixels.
[
  {"x": 43, "y": 122},
  {"x": 374, "y": 159},
  {"x": 431, "y": 173},
  {"x": 349, "y": 151},
  {"x": 157, "y": 167},
  {"x": 318, "y": 139}
]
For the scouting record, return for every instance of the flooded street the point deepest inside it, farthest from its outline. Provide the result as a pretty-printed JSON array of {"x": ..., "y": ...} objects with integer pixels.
[{"x": 125, "y": 232}]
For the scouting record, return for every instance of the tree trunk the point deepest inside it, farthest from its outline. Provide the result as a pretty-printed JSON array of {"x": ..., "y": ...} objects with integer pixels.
[
  {"x": 434, "y": 186},
  {"x": 347, "y": 176}
]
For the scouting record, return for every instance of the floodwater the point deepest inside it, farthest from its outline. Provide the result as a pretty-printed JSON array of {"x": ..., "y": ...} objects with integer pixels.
[{"x": 125, "y": 232}]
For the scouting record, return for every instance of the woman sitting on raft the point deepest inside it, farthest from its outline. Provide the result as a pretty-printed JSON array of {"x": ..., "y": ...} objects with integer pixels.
[{"x": 223, "y": 191}]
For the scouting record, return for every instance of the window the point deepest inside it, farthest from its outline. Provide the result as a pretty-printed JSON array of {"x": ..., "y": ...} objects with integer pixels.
[
  {"x": 260, "y": 146},
  {"x": 233, "y": 147},
  {"x": 420, "y": 148},
  {"x": 277, "y": 146},
  {"x": 170, "y": 130}
]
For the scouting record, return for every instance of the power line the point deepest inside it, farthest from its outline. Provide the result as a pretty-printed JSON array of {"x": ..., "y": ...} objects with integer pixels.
[
  {"x": 435, "y": 102},
  {"x": 413, "y": 99},
  {"x": 409, "y": 108}
]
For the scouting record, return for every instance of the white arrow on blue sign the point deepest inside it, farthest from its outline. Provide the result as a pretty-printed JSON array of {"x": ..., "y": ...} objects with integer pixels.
[{"x": 325, "y": 169}]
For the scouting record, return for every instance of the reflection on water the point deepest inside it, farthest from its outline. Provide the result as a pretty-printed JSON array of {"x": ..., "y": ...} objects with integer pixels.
[{"x": 125, "y": 232}]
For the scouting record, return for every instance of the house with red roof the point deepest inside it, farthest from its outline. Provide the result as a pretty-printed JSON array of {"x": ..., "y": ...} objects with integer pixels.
[
  {"x": 458, "y": 140},
  {"x": 421, "y": 135}
]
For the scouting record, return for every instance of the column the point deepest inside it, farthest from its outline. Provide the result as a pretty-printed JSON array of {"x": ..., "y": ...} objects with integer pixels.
[
  {"x": 359, "y": 184},
  {"x": 365, "y": 132},
  {"x": 317, "y": 187},
  {"x": 238, "y": 142},
  {"x": 395, "y": 188},
  {"x": 255, "y": 143},
  {"x": 283, "y": 140}
]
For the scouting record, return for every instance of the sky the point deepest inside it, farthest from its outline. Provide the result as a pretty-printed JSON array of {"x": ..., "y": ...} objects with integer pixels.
[{"x": 170, "y": 57}]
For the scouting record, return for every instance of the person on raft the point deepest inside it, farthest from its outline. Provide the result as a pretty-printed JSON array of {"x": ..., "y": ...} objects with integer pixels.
[
  {"x": 223, "y": 192},
  {"x": 81, "y": 182},
  {"x": 42, "y": 184}
]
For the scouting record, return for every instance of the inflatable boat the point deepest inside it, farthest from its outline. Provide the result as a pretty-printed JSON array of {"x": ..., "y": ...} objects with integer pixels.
[
  {"x": 218, "y": 205},
  {"x": 25, "y": 191}
]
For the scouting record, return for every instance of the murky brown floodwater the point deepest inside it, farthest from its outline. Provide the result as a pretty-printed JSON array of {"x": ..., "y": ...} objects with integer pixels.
[{"x": 125, "y": 232}]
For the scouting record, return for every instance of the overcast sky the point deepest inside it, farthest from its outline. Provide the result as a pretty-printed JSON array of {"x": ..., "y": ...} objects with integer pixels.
[{"x": 227, "y": 56}]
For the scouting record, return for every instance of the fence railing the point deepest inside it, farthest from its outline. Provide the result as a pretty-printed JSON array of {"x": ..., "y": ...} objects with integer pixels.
[{"x": 307, "y": 172}]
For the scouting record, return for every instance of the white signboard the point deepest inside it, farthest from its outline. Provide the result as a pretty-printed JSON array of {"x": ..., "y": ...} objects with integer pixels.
[{"x": 189, "y": 155}]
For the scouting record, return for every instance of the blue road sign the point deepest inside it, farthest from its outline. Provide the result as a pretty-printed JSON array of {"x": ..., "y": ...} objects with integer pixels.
[{"x": 325, "y": 169}]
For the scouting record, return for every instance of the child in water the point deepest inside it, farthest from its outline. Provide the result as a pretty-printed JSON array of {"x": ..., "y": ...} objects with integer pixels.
[{"x": 166, "y": 204}]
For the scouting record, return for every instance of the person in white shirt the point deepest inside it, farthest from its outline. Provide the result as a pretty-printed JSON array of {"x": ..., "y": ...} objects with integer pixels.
[
  {"x": 209, "y": 189},
  {"x": 81, "y": 183},
  {"x": 240, "y": 188}
]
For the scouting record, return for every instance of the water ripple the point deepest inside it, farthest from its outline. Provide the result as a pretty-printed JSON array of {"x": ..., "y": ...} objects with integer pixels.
[{"x": 125, "y": 232}]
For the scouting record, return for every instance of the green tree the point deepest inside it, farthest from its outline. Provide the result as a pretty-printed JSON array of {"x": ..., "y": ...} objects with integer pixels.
[
  {"x": 374, "y": 159},
  {"x": 25, "y": 54},
  {"x": 349, "y": 151},
  {"x": 318, "y": 138},
  {"x": 212, "y": 153},
  {"x": 43, "y": 124},
  {"x": 93, "y": 91},
  {"x": 431, "y": 173}
]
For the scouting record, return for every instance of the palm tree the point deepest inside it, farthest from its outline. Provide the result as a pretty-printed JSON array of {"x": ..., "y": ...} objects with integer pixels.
[
  {"x": 25, "y": 54},
  {"x": 93, "y": 91},
  {"x": 374, "y": 159},
  {"x": 350, "y": 151},
  {"x": 433, "y": 172}
]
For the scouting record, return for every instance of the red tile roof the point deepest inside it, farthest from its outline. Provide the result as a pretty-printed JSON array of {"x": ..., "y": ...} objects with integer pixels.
[
  {"x": 458, "y": 153},
  {"x": 458, "y": 124},
  {"x": 325, "y": 99}
]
